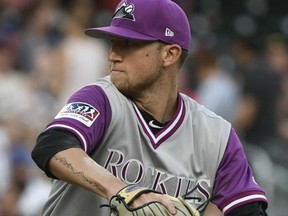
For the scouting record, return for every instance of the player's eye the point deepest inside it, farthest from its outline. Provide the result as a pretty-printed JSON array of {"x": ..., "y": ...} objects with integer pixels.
[
  {"x": 121, "y": 43},
  {"x": 112, "y": 41},
  {"x": 129, "y": 43}
]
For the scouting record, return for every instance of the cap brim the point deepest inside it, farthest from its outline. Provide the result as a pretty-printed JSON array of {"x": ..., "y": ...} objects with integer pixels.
[{"x": 104, "y": 32}]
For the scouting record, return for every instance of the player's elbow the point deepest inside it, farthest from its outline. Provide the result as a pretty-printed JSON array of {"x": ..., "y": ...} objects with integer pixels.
[
  {"x": 47, "y": 145},
  {"x": 40, "y": 155}
]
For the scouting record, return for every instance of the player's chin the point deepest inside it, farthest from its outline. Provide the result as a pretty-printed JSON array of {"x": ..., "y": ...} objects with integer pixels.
[
  {"x": 118, "y": 76},
  {"x": 124, "y": 88},
  {"x": 122, "y": 83},
  {"x": 119, "y": 81}
]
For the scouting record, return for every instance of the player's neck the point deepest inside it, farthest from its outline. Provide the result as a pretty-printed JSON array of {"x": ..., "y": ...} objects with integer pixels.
[
  {"x": 160, "y": 100},
  {"x": 162, "y": 108}
]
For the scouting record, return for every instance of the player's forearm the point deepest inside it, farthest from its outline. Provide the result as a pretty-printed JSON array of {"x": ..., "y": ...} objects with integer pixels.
[{"x": 76, "y": 167}]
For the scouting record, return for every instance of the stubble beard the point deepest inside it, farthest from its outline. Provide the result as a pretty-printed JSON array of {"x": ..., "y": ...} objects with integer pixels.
[{"x": 133, "y": 89}]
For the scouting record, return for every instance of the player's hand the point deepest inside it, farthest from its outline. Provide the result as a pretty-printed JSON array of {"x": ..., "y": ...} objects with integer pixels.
[
  {"x": 154, "y": 197},
  {"x": 135, "y": 200}
]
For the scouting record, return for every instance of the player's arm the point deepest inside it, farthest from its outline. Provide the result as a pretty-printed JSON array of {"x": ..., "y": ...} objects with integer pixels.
[
  {"x": 59, "y": 154},
  {"x": 74, "y": 166},
  {"x": 235, "y": 188},
  {"x": 251, "y": 209},
  {"x": 212, "y": 210}
]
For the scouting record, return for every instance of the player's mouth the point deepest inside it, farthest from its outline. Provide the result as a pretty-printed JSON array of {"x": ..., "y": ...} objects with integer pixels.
[{"x": 115, "y": 70}]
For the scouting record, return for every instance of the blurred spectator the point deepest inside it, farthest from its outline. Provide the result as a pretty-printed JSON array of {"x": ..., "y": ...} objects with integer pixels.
[
  {"x": 109, "y": 4},
  {"x": 215, "y": 87},
  {"x": 21, "y": 5},
  {"x": 4, "y": 161},
  {"x": 258, "y": 114},
  {"x": 184, "y": 85},
  {"x": 256, "y": 117},
  {"x": 39, "y": 41},
  {"x": 77, "y": 48},
  {"x": 277, "y": 58},
  {"x": 246, "y": 54},
  {"x": 42, "y": 31},
  {"x": 276, "y": 54},
  {"x": 26, "y": 193}
]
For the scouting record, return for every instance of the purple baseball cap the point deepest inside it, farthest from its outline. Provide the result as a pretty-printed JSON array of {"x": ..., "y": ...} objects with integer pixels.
[{"x": 148, "y": 20}]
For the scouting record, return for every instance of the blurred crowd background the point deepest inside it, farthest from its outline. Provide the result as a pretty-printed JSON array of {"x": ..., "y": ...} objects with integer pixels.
[{"x": 238, "y": 67}]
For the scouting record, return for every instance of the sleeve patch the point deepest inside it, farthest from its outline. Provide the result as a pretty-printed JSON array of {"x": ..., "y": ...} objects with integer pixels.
[{"x": 82, "y": 112}]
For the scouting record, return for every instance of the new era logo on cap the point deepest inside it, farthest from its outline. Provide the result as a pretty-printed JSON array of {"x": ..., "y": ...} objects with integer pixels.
[{"x": 169, "y": 32}]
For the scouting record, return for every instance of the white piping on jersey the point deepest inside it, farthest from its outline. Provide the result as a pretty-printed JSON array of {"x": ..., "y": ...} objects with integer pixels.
[
  {"x": 156, "y": 139},
  {"x": 73, "y": 129},
  {"x": 255, "y": 196}
]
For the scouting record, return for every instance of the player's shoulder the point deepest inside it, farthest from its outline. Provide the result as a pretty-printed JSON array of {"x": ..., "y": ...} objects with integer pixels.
[
  {"x": 100, "y": 83},
  {"x": 108, "y": 87},
  {"x": 92, "y": 93},
  {"x": 103, "y": 85},
  {"x": 204, "y": 119},
  {"x": 116, "y": 99},
  {"x": 198, "y": 109},
  {"x": 104, "y": 82}
]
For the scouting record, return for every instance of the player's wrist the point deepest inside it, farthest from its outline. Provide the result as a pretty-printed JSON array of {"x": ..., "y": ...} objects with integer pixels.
[
  {"x": 114, "y": 188},
  {"x": 134, "y": 200}
]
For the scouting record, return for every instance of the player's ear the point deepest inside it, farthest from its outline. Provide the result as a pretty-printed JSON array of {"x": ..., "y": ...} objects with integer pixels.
[{"x": 171, "y": 54}]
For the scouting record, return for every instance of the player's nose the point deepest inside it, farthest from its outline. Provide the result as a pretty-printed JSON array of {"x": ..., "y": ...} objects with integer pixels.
[
  {"x": 114, "y": 54},
  {"x": 114, "y": 57}
]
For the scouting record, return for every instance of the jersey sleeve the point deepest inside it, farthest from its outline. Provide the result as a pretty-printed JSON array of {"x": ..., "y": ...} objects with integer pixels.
[
  {"x": 87, "y": 115},
  {"x": 234, "y": 184}
]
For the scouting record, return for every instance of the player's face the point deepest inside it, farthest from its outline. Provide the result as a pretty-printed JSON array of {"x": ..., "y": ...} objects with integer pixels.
[{"x": 136, "y": 66}]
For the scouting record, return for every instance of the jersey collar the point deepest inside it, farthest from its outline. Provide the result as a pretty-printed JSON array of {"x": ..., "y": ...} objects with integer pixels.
[{"x": 168, "y": 130}]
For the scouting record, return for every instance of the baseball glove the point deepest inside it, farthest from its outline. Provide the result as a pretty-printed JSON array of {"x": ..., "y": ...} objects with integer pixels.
[{"x": 119, "y": 204}]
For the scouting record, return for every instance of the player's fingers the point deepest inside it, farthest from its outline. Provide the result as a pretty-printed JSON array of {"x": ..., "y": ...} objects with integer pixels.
[
  {"x": 168, "y": 204},
  {"x": 152, "y": 197}
]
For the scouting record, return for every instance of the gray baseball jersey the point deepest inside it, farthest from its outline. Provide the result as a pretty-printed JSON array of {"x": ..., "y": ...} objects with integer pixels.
[{"x": 196, "y": 147}]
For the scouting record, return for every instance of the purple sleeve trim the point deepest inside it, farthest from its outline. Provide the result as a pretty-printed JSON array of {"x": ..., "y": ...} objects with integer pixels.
[
  {"x": 91, "y": 134},
  {"x": 234, "y": 182},
  {"x": 72, "y": 129},
  {"x": 253, "y": 196}
]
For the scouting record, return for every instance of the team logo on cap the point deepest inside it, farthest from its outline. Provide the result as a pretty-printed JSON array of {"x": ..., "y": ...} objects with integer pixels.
[{"x": 124, "y": 11}]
